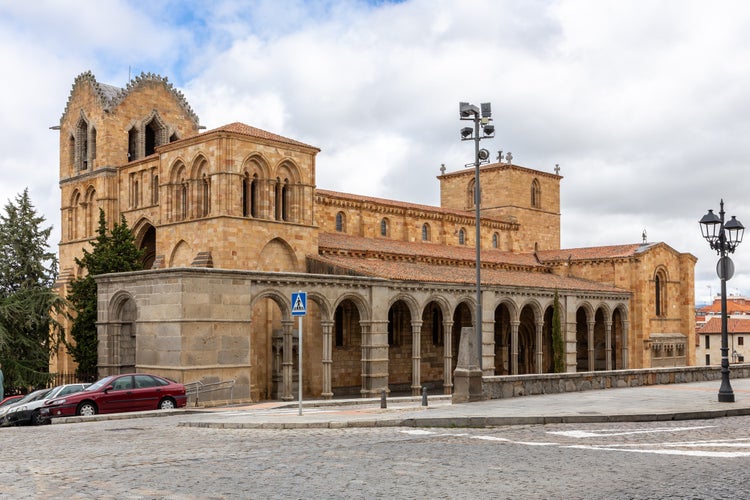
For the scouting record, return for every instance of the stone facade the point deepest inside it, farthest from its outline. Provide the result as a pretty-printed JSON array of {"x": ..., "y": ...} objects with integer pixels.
[{"x": 233, "y": 224}]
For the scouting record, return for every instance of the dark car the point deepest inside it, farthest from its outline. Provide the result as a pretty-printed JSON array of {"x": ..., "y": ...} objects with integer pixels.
[
  {"x": 9, "y": 400},
  {"x": 29, "y": 398},
  {"x": 29, "y": 412},
  {"x": 119, "y": 393}
]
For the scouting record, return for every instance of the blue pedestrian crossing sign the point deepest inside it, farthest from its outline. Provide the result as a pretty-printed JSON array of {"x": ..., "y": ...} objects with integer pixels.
[{"x": 299, "y": 304}]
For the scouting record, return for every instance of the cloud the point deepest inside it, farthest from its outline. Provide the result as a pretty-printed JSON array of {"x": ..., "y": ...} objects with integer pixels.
[{"x": 644, "y": 108}]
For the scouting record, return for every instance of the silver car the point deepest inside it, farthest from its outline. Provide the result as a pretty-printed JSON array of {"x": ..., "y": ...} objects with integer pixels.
[{"x": 26, "y": 411}]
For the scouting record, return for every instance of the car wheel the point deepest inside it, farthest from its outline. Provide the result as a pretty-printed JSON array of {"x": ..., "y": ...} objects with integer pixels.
[
  {"x": 167, "y": 404},
  {"x": 37, "y": 418},
  {"x": 86, "y": 409}
]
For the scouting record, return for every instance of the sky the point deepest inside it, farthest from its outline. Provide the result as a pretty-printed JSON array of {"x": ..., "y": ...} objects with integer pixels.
[{"x": 644, "y": 104}]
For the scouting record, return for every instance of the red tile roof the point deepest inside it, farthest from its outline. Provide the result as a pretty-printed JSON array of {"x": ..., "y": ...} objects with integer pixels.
[
  {"x": 734, "y": 325},
  {"x": 735, "y": 305},
  {"x": 243, "y": 129},
  {"x": 594, "y": 253},
  {"x": 428, "y": 273},
  {"x": 426, "y": 262},
  {"x": 337, "y": 243}
]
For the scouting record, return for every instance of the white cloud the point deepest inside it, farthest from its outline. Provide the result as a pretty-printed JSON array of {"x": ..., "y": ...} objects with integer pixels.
[{"x": 643, "y": 104}]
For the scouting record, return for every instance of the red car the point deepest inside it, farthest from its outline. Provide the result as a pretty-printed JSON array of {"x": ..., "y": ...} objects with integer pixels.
[{"x": 119, "y": 393}]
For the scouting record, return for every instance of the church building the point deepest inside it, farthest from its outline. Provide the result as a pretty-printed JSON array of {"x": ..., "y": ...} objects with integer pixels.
[{"x": 233, "y": 223}]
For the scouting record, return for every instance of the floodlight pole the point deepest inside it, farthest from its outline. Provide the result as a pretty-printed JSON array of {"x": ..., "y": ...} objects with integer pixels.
[{"x": 471, "y": 112}]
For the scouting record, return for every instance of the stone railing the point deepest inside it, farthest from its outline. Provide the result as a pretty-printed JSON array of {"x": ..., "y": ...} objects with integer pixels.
[{"x": 509, "y": 386}]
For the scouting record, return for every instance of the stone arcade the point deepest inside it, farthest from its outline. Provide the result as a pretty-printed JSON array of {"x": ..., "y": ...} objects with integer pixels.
[{"x": 233, "y": 223}]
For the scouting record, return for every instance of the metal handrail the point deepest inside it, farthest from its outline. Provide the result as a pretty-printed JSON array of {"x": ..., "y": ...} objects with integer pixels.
[{"x": 199, "y": 386}]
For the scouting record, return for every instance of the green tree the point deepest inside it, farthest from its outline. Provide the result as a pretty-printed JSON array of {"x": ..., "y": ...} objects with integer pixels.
[
  {"x": 558, "y": 346},
  {"x": 28, "y": 302},
  {"x": 112, "y": 252}
]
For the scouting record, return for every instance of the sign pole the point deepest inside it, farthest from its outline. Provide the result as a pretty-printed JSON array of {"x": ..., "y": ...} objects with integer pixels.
[
  {"x": 299, "y": 309},
  {"x": 299, "y": 353}
]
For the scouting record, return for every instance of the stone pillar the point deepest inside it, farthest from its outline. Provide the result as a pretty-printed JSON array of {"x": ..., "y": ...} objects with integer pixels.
[
  {"x": 468, "y": 375},
  {"x": 447, "y": 357},
  {"x": 624, "y": 339},
  {"x": 592, "y": 359},
  {"x": 327, "y": 357},
  {"x": 538, "y": 348},
  {"x": 608, "y": 344},
  {"x": 374, "y": 358},
  {"x": 287, "y": 362},
  {"x": 514, "y": 346},
  {"x": 416, "y": 358}
]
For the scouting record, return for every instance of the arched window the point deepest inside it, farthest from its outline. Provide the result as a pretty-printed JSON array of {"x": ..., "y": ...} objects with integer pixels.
[
  {"x": 426, "y": 236},
  {"x": 461, "y": 237},
  {"x": 285, "y": 194},
  {"x": 494, "y": 240},
  {"x": 384, "y": 229},
  {"x": 660, "y": 292},
  {"x": 536, "y": 194},
  {"x": 155, "y": 189},
  {"x": 340, "y": 219},
  {"x": 205, "y": 196},
  {"x": 470, "y": 194},
  {"x": 132, "y": 143},
  {"x": 82, "y": 145}
]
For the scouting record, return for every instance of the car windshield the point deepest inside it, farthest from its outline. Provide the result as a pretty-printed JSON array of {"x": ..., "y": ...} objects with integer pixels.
[{"x": 99, "y": 384}]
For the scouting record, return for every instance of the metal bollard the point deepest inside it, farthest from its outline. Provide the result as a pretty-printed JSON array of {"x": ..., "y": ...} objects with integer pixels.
[
  {"x": 424, "y": 396},
  {"x": 383, "y": 404}
]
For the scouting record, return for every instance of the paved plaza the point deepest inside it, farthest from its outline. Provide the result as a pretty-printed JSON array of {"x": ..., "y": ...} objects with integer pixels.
[{"x": 646, "y": 442}]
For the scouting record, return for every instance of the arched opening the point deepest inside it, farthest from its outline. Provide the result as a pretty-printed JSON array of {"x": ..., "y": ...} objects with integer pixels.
[
  {"x": 432, "y": 346},
  {"x": 400, "y": 347},
  {"x": 346, "y": 371},
  {"x": 502, "y": 340},
  {"x": 267, "y": 351},
  {"x": 600, "y": 341},
  {"x": 124, "y": 352},
  {"x": 148, "y": 245},
  {"x": 548, "y": 351},
  {"x": 527, "y": 341},
  {"x": 462, "y": 317}
]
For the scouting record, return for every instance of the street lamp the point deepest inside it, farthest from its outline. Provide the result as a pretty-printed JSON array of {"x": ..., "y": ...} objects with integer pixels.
[
  {"x": 723, "y": 238},
  {"x": 481, "y": 121}
]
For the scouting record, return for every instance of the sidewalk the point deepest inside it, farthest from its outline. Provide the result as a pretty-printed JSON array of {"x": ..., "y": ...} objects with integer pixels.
[{"x": 648, "y": 403}]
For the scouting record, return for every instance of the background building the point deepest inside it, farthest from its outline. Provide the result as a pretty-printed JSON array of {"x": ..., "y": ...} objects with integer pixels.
[{"x": 233, "y": 224}]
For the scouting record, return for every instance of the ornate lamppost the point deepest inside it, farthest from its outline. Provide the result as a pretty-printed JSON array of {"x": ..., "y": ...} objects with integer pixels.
[
  {"x": 723, "y": 238},
  {"x": 481, "y": 121}
]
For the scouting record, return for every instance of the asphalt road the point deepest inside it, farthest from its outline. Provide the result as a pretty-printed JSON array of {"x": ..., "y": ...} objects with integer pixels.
[{"x": 155, "y": 458}]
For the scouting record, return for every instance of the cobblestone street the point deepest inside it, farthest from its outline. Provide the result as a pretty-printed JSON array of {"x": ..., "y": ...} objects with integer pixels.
[{"x": 155, "y": 458}]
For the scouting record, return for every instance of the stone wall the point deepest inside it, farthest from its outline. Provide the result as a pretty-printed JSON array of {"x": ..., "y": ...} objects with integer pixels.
[{"x": 554, "y": 383}]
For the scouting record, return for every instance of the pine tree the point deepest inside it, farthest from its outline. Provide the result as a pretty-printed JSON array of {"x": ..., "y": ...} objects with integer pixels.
[
  {"x": 111, "y": 253},
  {"x": 558, "y": 346},
  {"x": 28, "y": 270}
]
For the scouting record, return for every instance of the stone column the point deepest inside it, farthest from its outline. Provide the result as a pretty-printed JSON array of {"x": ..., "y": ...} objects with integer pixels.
[
  {"x": 287, "y": 362},
  {"x": 447, "y": 356},
  {"x": 416, "y": 358},
  {"x": 608, "y": 344},
  {"x": 592, "y": 358},
  {"x": 514, "y": 346},
  {"x": 327, "y": 327},
  {"x": 624, "y": 339},
  {"x": 538, "y": 351}
]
